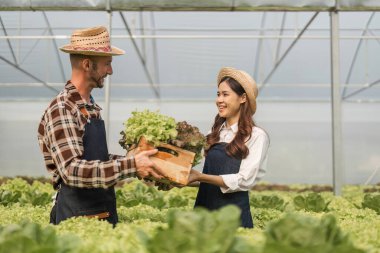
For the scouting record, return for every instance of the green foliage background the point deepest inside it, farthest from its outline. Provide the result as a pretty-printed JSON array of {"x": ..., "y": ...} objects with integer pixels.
[{"x": 164, "y": 221}]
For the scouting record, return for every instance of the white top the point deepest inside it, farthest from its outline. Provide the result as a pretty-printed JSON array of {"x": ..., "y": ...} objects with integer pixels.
[{"x": 253, "y": 167}]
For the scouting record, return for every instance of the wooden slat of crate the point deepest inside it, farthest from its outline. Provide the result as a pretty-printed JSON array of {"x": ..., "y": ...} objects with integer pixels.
[{"x": 175, "y": 162}]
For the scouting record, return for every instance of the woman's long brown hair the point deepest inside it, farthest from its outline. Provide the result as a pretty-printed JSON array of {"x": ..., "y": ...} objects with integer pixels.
[{"x": 236, "y": 148}]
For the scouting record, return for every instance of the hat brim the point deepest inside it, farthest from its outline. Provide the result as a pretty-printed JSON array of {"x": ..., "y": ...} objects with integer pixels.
[{"x": 71, "y": 50}]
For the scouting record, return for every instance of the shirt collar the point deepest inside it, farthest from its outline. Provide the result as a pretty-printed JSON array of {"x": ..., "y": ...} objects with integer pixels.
[{"x": 233, "y": 128}]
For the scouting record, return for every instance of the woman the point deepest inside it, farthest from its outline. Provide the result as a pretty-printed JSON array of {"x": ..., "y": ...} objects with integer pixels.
[{"x": 237, "y": 149}]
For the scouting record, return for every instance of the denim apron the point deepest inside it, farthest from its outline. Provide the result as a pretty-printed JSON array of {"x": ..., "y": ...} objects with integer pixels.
[
  {"x": 211, "y": 197},
  {"x": 100, "y": 202}
]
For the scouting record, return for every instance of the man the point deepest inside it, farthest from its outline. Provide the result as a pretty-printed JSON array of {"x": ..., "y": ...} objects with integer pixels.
[{"x": 72, "y": 139}]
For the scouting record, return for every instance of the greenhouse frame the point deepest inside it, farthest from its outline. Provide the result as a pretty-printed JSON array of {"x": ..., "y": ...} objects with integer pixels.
[{"x": 12, "y": 36}]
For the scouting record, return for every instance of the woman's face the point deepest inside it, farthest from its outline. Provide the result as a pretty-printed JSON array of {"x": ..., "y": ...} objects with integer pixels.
[{"x": 228, "y": 103}]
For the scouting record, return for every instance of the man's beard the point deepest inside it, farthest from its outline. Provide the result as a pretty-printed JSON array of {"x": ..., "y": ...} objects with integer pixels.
[{"x": 97, "y": 80}]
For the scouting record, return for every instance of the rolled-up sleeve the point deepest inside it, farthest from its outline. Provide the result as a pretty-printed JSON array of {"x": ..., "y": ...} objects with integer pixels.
[{"x": 252, "y": 168}]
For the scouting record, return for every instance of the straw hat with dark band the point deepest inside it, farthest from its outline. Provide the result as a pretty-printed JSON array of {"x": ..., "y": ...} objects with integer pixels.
[
  {"x": 245, "y": 80},
  {"x": 91, "y": 41}
]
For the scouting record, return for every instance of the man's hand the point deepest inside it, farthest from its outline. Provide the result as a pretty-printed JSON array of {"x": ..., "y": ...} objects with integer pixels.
[{"x": 145, "y": 167}]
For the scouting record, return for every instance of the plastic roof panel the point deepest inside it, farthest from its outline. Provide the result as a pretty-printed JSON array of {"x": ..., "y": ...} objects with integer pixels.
[
  {"x": 359, "y": 5},
  {"x": 46, "y": 5},
  {"x": 190, "y": 5},
  {"x": 185, "y": 63}
]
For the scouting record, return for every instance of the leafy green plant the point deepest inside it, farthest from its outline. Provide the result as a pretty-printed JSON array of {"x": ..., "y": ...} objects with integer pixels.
[
  {"x": 190, "y": 138},
  {"x": 137, "y": 193},
  {"x": 263, "y": 216},
  {"x": 268, "y": 201},
  {"x": 141, "y": 194},
  {"x": 372, "y": 201},
  {"x": 139, "y": 224},
  {"x": 200, "y": 231},
  {"x": 31, "y": 238},
  {"x": 299, "y": 234},
  {"x": 8, "y": 197},
  {"x": 16, "y": 213},
  {"x": 313, "y": 202},
  {"x": 141, "y": 212},
  {"x": 155, "y": 127},
  {"x": 19, "y": 191},
  {"x": 177, "y": 201}
]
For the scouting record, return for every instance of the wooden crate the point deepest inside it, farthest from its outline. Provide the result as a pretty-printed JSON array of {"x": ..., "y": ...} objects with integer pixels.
[{"x": 175, "y": 162}]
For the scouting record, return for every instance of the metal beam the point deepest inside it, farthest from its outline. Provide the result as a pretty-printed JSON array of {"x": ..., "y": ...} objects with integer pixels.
[
  {"x": 278, "y": 48},
  {"x": 8, "y": 41},
  {"x": 191, "y": 85},
  {"x": 155, "y": 90},
  {"x": 143, "y": 42},
  {"x": 55, "y": 48},
  {"x": 258, "y": 50},
  {"x": 155, "y": 55},
  {"x": 336, "y": 115},
  {"x": 32, "y": 48},
  {"x": 28, "y": 74},
  {"x": 107, "y": 89},
  {"x": 197, "y": 37},
  {"x": 378, "y": 40},
  {"x": 186, "y": 28},
  {"x": 287, "y": 51},
  {"x": 356, "y": 54},
  {"x": 362, "y": 89},
  {"x": 189, "y": 5}
]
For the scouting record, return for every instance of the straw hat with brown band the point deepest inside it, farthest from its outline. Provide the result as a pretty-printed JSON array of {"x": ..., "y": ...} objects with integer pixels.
[
  {"x": 245, "y": 80},
  {"x": 91, "y": 41}
]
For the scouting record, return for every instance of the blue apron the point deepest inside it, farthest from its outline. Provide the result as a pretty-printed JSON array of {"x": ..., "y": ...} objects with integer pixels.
[
  {"x": 211, "y": 197},
  {"x": 100, "y": 202}
]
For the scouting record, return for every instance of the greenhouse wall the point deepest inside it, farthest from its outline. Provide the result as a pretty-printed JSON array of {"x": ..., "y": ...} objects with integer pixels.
[{"x": 183, "y": 52}]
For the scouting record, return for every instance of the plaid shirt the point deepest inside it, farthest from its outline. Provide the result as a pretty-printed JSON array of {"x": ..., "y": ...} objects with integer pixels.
[{"x": 60, "y": 136}]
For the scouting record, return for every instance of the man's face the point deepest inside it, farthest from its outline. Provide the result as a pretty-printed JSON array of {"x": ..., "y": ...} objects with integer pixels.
[{"x": 100, "y": 67}]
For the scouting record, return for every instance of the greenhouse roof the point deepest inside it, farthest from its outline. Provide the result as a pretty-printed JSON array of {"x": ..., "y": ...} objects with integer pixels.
[{"x": 191, "y": 5}]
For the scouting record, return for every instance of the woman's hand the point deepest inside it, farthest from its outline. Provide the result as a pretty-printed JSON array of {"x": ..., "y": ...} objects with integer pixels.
[{"x": 194, "y": 176}]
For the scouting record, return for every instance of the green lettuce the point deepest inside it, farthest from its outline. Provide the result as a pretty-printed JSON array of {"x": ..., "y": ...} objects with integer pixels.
[
  {"x": 19, "y": 191},
  {"x": 271, "y": 202},
  {"x": 295, "y": 233},
  {"x": 139, "y": 193},
  {"x": 155, "y": 127},
  {"x": 372, "y": 202},
  {"x": 200, "y": 231},
  {"x": 313, "y": 202},
  {"x": 32, "y": 238}
]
